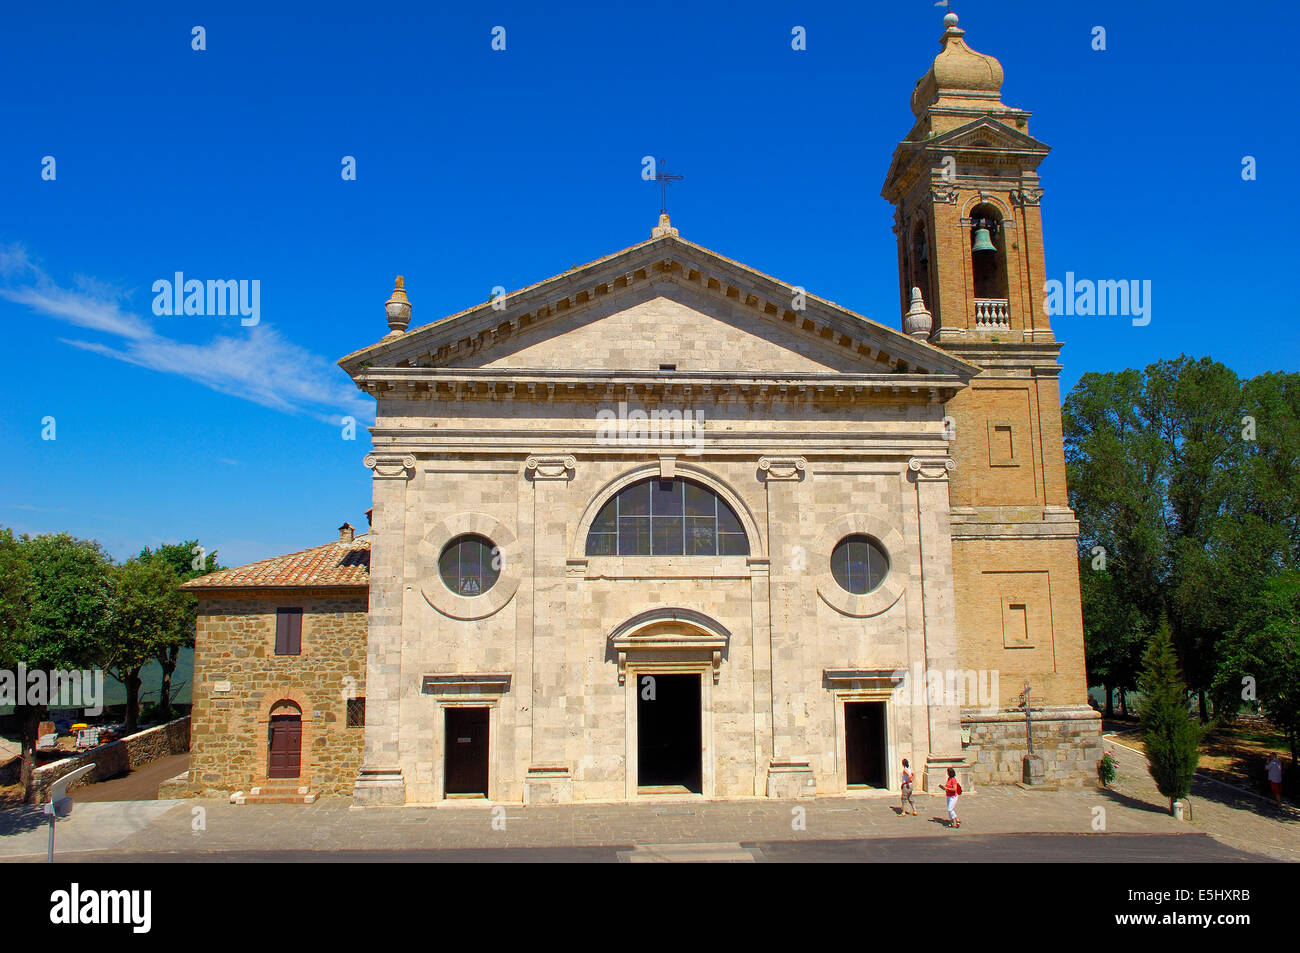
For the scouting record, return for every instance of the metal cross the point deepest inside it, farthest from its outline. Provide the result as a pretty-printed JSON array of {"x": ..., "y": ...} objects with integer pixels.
[
  {"x": 663, "y": 178},
  {"x": 1027, "y": 703}
]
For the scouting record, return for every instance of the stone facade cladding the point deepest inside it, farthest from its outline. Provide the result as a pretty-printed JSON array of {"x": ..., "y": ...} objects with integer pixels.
[
  {"x": 235, "y": 644},
  {"x": 1067, "y": 739}
]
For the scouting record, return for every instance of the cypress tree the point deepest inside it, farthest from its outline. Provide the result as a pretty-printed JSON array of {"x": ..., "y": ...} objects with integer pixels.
[{"x": 1171, "y": 738}]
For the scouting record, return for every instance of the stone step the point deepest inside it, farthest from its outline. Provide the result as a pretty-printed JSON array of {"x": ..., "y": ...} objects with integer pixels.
[
  {"x": 275, "y": 792},
  {"x": 279, "y": 787},
  {"x": 276, "y": 799}
]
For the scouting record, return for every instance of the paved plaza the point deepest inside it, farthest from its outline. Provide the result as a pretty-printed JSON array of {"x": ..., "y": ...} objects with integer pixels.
[{"x": 999, "y": 823}]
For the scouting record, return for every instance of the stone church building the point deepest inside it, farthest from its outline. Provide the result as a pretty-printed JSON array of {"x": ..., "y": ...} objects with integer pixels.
[{"x": 663, "y": 524}]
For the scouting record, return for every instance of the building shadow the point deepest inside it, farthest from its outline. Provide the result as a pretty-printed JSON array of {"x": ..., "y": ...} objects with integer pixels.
[
  {"x": 22, "y": 818},
  {"x": 1137, "y": 804}
]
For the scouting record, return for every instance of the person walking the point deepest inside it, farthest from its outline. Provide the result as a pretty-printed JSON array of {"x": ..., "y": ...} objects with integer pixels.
[
  {"x": 952, "y": 788},
  {"x": 1274, "y": 769},
  {"x": 909, "y": 776}
]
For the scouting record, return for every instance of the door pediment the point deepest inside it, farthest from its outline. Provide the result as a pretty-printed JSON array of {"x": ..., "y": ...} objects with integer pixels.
[{"x": 670, "y": 629}]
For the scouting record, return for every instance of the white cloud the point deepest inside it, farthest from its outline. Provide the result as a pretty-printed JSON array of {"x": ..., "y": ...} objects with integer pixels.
[{"x": 259, "y": 365}]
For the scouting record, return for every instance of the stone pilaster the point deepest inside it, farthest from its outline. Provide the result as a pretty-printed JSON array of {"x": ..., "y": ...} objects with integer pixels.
[
  {"x": 790, "y": 771},
  {"x": 550, "y": 771},
  {"x": 761, "y": 626},
  {"x": 381, "y": 781},
  {"x": 930, "y": 477}
]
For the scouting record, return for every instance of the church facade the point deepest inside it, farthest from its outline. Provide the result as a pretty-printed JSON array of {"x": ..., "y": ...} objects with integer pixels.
[{"x": 663, "y": 524}]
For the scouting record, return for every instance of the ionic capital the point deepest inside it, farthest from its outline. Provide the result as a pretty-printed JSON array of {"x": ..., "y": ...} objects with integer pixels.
[
  {"x": 550, "y": 467},
  {"x": 390, "y": 466},
  {"x": 777, "y": 469},
  {"x": 931, "y": 468}
]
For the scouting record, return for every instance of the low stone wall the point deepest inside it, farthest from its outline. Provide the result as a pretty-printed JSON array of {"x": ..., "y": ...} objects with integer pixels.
[
  {"x": 1067, "y": 739},
  {"x": 116, "y": 757}
]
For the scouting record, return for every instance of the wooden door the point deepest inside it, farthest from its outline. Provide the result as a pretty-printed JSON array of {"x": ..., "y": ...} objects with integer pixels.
[
  {"x": 284, "y": 759},
  {"x": 467, "y": 751}
]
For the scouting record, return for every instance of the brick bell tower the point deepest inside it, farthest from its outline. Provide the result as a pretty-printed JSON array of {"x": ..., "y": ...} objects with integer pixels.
[{"x": 970, "y": 253}]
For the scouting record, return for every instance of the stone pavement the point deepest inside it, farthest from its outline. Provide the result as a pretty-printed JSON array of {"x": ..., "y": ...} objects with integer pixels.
[
  {"x": 1231, "y": 815},
  {"x": 717, "y": 828},
  {"x": 141, "y": 784}
]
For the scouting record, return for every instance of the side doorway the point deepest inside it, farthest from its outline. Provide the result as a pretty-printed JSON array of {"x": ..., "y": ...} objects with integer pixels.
[{"x": 466, "y": 760}]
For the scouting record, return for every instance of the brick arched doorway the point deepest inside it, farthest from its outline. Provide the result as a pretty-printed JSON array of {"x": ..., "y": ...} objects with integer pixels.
[{"x": 284, "y": 741}]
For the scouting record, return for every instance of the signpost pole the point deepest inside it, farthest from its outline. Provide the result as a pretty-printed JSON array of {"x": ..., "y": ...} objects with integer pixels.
[{"x": 60, "y": 804}]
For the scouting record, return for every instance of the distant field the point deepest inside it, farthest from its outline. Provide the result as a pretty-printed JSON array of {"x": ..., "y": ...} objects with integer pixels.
[{"x": 115, "y": 692}]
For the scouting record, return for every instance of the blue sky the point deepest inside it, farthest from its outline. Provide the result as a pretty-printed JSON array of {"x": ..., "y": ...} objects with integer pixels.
[{"x": 478, "y": 168}]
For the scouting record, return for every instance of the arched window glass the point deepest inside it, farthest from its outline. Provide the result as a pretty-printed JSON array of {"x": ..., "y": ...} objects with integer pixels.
[
  {"x": 667, "y": 518},
  {"x": 859, "y": 564},
  {"x": 469, "y": 566}
]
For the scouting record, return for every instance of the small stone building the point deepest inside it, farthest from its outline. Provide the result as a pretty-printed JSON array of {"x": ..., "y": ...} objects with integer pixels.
[{"x": 280, "y": 674}]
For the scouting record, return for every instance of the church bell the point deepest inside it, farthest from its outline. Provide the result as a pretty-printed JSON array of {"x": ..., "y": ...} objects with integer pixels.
[{"x": 982, "y": 241}]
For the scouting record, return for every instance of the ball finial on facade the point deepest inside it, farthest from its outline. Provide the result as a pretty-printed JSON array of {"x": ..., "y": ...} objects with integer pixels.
[
  {"x": 950, "y": 19},
  {"x": 398, "y": 308}
]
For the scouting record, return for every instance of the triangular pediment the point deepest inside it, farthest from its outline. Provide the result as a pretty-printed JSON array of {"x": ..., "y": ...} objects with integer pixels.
[
  {"x": 982, "y": 141},
  {"x": 665, "y": 304},
  {"x": 987, "y": 134}
]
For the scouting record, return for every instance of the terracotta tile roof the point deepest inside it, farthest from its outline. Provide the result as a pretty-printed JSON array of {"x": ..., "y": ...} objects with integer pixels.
[{"x": 334, "y": 564}]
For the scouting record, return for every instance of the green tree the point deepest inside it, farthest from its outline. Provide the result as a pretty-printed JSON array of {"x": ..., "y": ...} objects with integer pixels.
[
  {"x": 1114, "y": 635},
  {"x": 1263, "y": 653},
  {"x": 188, "y": 560},
  {"x": 1194, "y": 407},
  {"x": 1267, "y": 496},
  {"x": 1172, "y": 740},
  {"x": 68, "y": 602},
  {"x": 1188, "y": 479},
  {"x": 15, "y": 597},
  {"x": 1115, "y": 470},
  {"x": 149, "y": 613}
]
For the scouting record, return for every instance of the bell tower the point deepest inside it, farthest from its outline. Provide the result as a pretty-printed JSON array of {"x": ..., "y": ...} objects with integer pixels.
[{"x": 965, "y": 187}]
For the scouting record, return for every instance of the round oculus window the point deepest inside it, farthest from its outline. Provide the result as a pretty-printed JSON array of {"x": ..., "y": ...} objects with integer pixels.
[
  {"x": 470, "y": 565},
  {"x": 859, "y": 564}
]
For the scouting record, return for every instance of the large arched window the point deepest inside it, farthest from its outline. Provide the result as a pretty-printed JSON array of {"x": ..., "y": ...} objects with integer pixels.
[{"x": 667, "y": 518}]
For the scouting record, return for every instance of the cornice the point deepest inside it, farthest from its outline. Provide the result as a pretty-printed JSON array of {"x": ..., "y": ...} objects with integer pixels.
[
  {"x": 539, "y": 384},
  {"x": 1040, "y": 358}
]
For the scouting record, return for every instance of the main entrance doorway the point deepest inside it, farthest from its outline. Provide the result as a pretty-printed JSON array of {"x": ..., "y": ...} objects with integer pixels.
[
  {"x": 284, "y": 746},
  {"x": 668, "y": 734},
  {"x": 864, "y": 743},
  {"x": 466, "y": 766}
]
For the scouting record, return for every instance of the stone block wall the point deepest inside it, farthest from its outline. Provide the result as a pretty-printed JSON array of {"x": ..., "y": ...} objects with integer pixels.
[
  {"x": 1067, "y": 739},
  {"x": 238, "y": 679}
]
